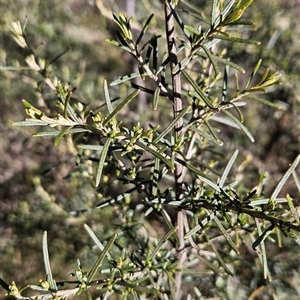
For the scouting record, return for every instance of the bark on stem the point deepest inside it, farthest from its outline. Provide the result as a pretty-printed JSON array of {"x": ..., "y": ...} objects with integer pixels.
[{"x": 177, "y": 107}]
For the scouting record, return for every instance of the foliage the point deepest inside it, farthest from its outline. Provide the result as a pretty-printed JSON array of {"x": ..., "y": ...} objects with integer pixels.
[{"x": 163, "y": 159}]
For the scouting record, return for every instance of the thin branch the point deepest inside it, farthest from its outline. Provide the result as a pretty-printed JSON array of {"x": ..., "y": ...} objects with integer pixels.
[
  {"x": 177, "y": 107},
  {"x": 280, "y": 223}
]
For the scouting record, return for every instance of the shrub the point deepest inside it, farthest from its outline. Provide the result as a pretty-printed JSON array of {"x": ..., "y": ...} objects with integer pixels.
[{"x": 178, "y": 204}]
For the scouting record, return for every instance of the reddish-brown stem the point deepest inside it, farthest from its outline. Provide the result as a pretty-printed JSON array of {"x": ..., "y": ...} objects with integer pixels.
[{"x": 177, "y": 107}]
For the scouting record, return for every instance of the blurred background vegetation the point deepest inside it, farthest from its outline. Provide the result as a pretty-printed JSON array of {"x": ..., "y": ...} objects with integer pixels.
[{"x": 40, "y": 184}]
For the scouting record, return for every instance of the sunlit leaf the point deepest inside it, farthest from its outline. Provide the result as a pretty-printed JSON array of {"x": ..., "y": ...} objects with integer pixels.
[
  {"x": 218, "y": 256},
  {"x": 145, "y": 27},
  {"x": 162, "y": 241},
  {"x": 198, "y": 89},
  {"x": 263, "y": 101},
  {"x": 29, "y": 122},
  {"x": 107, "y": 97},
  {"x": 124, "y": 78},
  {"x": 239, "y": 124},
  {"x": 285, "y": 177},
  {"x": 212, "y": 59},
  {"x": 120, "y": 106},
  {"x": 90, "y": 147},
  {"x": 292, "y": 208},
  {"x": 96, "y": 240},
  {"x": 100, "y": 259},
  {"x": 227, "y": 63},
  {"x": 61, "y": 134},
  {"x": 228, "y": 168},
  {"x": 172, "y": 124},
  {"x": 237, "y": 40},
  {"x": 225, "y": 234},
  {"x": 252, "y": 74},
  {"x": 51, "y": 281},
  {"x": 102, "y": 161}
]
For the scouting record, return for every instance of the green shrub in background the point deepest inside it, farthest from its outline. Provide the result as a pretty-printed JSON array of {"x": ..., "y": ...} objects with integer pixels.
[{"x": 180, "y": 205}]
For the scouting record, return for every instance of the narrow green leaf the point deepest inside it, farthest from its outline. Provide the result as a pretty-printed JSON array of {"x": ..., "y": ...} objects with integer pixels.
[
  {"x": 200, "y": 226},
  {"x": 258, "y": 202},
  {"x": 100, "y": 259},
  {"x": 228, "y": 63},
  {"x": 29, "y": 122},
  {"x": 241, "y": 22},
  {"x": 90, "y": 147},
  {"x": 201, "y": 175},
  {"x": 214, "y": 13},
  {"x": 236, "y": 40},
  {"x": 241, "y": 117},
  {"x": 279, "y": 237},
  {"x": 124, "y": 78},
  {"x": 107, "y": 97},
  {"x": 257, "y": 66},
  {"x": 210, "y": 265},
  {"x": 51, "y": 281},
  {"x": 155, "y": 98},
  {"x": 169, "y": 222},
  {"x": 47, "y": 133},
  {"x": 14, "y": 68},
  {"x": 67, "y": 106},
  {"x": 252, "y": 74},
  {"x": 264, "y": 101},
  {"x": 239, "y": 124},
  {"x": 172, "y": 124},
  {"x": 218, "y": 256},
  {"x": 285, "y": 177},
  {"x": 61, "y": 134},
  {"x": 246, "y": 4},
  {"x": 162, "y": 241},
  {"x": 198, "y": 90},
  {"x": 155, "y": 177},
  {"x": 260, "y": 241},
  {"x": 115, "y": 43},
  {"x": 292, "y": 208},
  {"x": 227, "y": 8},
  {"x": 212, "y": 59},
  {"x": 155, "y": 152},
  {"x": 264, "y": 77},
  {"x": 192, "y": 30},
  {"x": 218, "y": 141},
  {"x": 224, "y": 120},
  {"x": 119, "y": 107},
  {"x": 150, "y": 43},
  {"x": 228, "y": 168},
  {"x": 65, "y": 98},
  {"x": 270, "y": 80},
  {"x": 212, "y": 138},
  {"x": 96, "y": 240},
  {"x": 227, "y": 237},
  {"x": 297, "y": 180},
  {"x": 102, "y": 161},
  {"x": 237, "y": 83},
  {"x": 195, "y": 272},
  {"x": 197, "y": 11},
  {"x": 225, "y": 84},
  {"x": 145, "y": 27}
]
